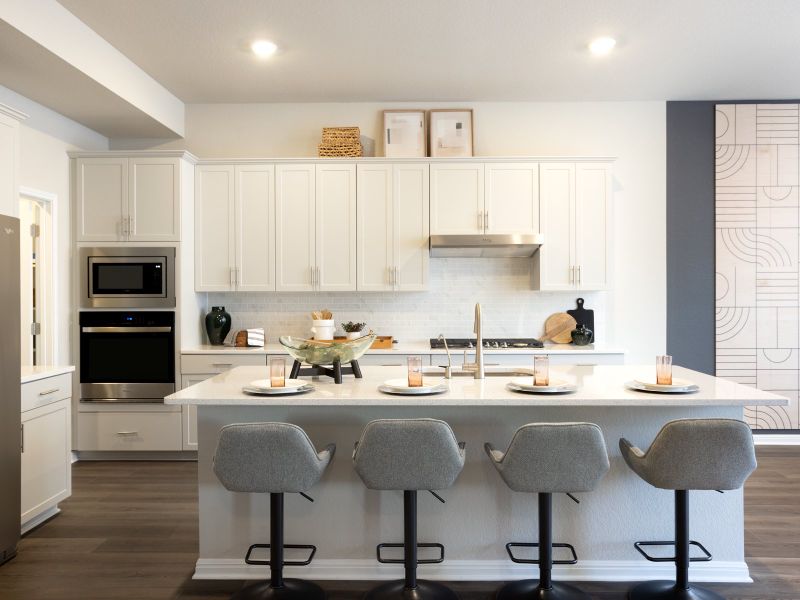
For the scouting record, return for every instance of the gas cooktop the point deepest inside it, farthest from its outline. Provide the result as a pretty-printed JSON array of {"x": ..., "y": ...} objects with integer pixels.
[{"x": 499, "y": 343}]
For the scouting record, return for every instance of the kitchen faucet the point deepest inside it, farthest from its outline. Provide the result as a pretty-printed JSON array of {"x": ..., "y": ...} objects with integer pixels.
[
  {"x": 477, "y": 366},
  {"x": 448, "y": 370}
]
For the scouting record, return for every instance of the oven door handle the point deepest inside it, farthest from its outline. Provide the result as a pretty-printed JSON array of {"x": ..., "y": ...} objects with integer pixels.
[{"x": 126, "y": 329}]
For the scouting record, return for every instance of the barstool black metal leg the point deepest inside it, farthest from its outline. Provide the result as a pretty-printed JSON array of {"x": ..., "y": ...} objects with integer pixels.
[
  {"x": 295, "y": 369},
  {"x": 544, "y": 588},
  {"x": 279, "y": 588},
  {"x": 680, "y": 589}
]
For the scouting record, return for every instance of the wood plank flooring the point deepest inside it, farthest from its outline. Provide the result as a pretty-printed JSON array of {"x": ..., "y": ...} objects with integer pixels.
[{"x": 129, "y": 532}]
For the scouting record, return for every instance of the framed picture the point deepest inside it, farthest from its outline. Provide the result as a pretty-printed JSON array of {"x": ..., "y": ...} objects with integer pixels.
[
  {"x": 404, "y": 134},
  {"x": 451, "y": 132}
]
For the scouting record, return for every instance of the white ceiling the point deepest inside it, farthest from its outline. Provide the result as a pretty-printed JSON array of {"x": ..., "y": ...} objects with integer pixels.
[{"x": 457, "y": 50}]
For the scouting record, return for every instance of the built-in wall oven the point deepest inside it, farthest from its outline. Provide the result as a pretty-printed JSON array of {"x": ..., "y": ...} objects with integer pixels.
[
  {"x": 118, "y": 277},
  {"x": 127, "y": 356}
]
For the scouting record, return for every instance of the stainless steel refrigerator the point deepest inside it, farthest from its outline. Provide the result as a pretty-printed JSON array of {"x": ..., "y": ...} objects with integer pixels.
[{"x": 9, "y": 388}]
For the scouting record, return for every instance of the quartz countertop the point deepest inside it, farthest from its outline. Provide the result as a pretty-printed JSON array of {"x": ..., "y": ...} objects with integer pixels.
[
  {"x": 597, "y": 386},
  {"x": 35, "y": 373},
  {"x": 420, "y": 347}
]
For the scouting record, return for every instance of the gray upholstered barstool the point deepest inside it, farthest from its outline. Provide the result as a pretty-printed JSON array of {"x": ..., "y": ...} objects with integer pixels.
[
  {"x": 274, "y": 459},
  {"x": 545, "y": 459},
  {"x": 689, "y": 454},
  {"x": 409, "y": 455}
]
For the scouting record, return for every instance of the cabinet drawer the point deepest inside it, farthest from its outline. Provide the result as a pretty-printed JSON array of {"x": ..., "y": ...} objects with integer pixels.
[
  {"x": 201, "y": 364},
  {"x": 129, "y": 431},
  {"x": 390, "y": 360},
  {"x": 46, "y": 391}
]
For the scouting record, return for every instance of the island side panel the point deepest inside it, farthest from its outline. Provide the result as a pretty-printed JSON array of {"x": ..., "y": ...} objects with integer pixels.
[{"x": 346, "y": 520}]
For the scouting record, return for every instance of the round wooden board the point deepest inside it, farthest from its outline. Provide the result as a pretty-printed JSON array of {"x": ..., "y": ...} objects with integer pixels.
[{"x": 558, "y": 328}]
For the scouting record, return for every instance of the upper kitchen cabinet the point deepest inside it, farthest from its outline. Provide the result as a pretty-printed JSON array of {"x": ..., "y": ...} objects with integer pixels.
[
  {"x": 393, "y": 227},
  {"x": 575, "y": 220},
  {"x": 131, "y": 198},
  {"x": 235, "y": 228},
  {"x": 470, "y": 198},
  {"x": 335, "y": 246},
  {"x": 295, "y": 214},
  {"x": 9, "y": 160}
]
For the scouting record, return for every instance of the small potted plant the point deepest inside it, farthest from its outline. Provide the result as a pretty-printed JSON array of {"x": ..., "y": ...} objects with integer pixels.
[{"x": 353, "y": 330}]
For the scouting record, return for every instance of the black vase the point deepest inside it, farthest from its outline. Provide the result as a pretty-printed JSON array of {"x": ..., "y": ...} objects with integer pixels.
[{"x": 218, "y": 325}]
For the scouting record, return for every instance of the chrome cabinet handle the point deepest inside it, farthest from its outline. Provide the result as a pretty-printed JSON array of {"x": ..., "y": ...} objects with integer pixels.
[
  {"x": 221, "y": 364},
  {"x": 397, "y": 276},
  {"x": 580, "y": 277},
  {"x": 319, "y": 277},
  {"x": 230, "y": 276},
  {"x": 131, "y": 225},
  {"x": 48, "y": 392},
  {"x": 486, "y": 219},
  {"x": 22, "y": 438},
  {"x": 127, "y": 433},
  {"x": 126, "y": 329},
  {"x": 572, "y": 274}
]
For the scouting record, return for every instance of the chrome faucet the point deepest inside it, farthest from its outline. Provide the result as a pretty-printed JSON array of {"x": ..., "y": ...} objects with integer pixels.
[
  {"x": 477, "y": 366},
  {"x": 448, "y": 370}
]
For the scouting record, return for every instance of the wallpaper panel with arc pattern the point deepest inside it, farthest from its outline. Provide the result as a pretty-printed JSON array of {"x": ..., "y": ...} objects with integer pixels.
[{"x": 757, "y": 206}]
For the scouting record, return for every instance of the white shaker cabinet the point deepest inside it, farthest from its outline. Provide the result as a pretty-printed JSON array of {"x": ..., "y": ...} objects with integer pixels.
[
  {"x": 393, "y": 227},
  {"x": 295, "y": 213},
  {"x": 335, "y": 227},
  {"x": 214, "y": 214},
  {"x": 456, "y": 196},
  {"x": 133, "y": 198},
  {"x": 512, "y": 198},
  {"x": 255, "y": 228},
  {"x": 9, "y": 160},
  {"x": 575, "y": 201}
]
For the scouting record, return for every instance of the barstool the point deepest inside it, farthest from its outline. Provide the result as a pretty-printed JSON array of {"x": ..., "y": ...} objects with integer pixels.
[
  {"x": 545, "y": 459},
  {"x": 274, "y": 459},
  {"x": 689, "y": 454},
  {"x": 409, "y": 455}
]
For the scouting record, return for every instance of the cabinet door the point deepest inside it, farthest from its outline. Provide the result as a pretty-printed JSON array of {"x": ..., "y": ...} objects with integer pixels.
[
  {"x": 512, "y": 198},
  {"x": 9, "y": 165},
  {"x": 554, "y": 262},
  {"x": 101, "y": 188},
  {"x": 411, "y": 226},
  {"x": 214, "y": 229},
  {"x": 592, "y": 224},
  {"x": 255, "y": 228},
  {"x": 189, "y": 413},
  {"x": 456, "y": 198},
  {"x": 375, "y": 250},
  {"x": 45, "y": 457},
  {"x": 336, "y": 227},
  {"x": 295, "y": 200},
  {"x": 154, "y": 199}
]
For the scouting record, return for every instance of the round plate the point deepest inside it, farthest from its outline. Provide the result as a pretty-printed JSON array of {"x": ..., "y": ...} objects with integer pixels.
[
  {"x": 679, "y": 386},
  {"x": 284, "y": 391},
  {"x": 525, "y": 384},
  {"x": 266, "y": 386},
  {"x": 400, "y": 386}
]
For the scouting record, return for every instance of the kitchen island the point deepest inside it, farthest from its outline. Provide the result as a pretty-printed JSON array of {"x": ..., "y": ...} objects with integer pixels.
[{"x": 481, "y": 515}]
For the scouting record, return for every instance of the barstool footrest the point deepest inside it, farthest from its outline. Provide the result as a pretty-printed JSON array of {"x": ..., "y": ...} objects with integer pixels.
[
  {"x": 638, "y": 546},
  {"x": 528, "y": 561},
  {"x": 395, "y": 561},
  {"x": 287, "y": 563}
]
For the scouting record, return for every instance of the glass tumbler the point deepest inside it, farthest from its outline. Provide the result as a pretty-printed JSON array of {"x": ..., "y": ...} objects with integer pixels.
[
  {"x": 414, "y": 371},
  {"x": 277, "y": 372},
  {"x": 664, "y": 370},
  {"x": 541, "y": 370}
]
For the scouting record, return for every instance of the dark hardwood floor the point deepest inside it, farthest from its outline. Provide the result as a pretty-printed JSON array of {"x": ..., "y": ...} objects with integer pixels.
[{"x": 129, "y": 532}]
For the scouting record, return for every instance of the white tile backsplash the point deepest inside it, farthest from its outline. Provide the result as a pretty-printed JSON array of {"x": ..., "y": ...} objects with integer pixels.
[{"x": 501, "y": 285}]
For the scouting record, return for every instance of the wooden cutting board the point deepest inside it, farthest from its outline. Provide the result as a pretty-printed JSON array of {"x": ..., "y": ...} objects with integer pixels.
[
  {"x": 583, "y": 316},
  {"x": 558, "y": 328}
]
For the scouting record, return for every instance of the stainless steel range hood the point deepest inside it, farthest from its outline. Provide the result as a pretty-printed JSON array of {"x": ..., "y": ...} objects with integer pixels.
[{"x": 488, "y": 245}]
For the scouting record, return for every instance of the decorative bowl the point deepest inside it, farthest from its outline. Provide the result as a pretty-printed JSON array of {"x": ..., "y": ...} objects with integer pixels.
[{"x": 321, "y": 353}]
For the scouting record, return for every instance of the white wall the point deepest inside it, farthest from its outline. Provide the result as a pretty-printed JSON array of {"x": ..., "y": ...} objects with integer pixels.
[
  {"x": 45, "y": 138},
  {"x": 634, "y": 132}
]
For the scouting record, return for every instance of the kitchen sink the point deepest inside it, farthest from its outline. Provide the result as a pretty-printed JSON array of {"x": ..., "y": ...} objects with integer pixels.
[{"x": 489, "y": 370}]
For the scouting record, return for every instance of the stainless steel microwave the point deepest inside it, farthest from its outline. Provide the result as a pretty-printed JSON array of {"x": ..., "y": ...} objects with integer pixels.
[{"x": 124, "y": 277}]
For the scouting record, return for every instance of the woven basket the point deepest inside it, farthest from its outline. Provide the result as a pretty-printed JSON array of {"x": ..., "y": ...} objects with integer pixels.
[
  {"x": 340, "y": 136},
  {"x": 340, "y": 150}
]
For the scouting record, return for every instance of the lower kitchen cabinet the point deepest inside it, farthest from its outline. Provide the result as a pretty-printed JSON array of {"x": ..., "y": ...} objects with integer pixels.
[{"x": 129, "y": 428}]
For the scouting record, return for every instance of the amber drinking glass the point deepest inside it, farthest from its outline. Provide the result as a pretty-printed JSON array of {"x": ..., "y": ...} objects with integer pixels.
[
  {"x": 277, "y": 372},
  {"x": 664, "y": 370},
  {"x": 414, "y": 371},
  {"x": 541, "y": 370}
]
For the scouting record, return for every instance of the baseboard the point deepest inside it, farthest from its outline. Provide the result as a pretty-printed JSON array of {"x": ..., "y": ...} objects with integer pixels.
[
  {"x": 39, "y": 519},
  {"x": 476, "y": 570},
  {"x": 776, "y": 439},
  {"x": 189, "y": 455}
]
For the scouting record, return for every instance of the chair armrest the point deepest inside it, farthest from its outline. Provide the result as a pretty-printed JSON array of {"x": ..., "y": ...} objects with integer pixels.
[
  {"x": 494, "y": 454},
  {"x": 628, "y": 449}
]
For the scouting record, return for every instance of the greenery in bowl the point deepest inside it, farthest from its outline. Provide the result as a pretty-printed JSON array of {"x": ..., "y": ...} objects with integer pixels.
[{"x": 351, "y": 327}]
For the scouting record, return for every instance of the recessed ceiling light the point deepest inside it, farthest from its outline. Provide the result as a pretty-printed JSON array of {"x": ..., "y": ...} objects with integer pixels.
[
  {"x": 602, "y": 46},
  {"x": 263, "y": 48}
]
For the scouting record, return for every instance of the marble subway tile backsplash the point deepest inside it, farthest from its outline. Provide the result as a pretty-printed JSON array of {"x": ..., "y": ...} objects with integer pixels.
[{"x": 501, "y": 285}]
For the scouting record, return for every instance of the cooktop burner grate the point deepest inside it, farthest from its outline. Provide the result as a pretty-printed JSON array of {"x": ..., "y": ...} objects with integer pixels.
[{"x": 492, "y": 343}]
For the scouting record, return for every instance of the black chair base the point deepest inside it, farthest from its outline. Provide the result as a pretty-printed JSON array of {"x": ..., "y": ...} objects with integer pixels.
[
  {"x": 528, "y": 589},
  {"x": 667, "y": 590},
  {"x": 292, "y": 589},
  {"x": 425, "y": 590}
]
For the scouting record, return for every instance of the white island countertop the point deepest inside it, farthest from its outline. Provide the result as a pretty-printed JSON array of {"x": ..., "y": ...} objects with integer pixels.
[
  {"x": 597, "y": 386},
  {"x": 35, "y": 373}
]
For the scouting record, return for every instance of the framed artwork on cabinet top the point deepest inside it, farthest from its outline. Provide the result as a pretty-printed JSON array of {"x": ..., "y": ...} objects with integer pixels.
[
  {"x": 451, "y": 132},
  {"x": 404, "y": 134}
]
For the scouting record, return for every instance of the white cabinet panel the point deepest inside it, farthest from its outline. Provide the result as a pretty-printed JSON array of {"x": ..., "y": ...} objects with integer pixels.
[
  {"x": 45, "y": 458},
  {"x": 255, "y": 228},
  {"x": 295, "y": 203},
  {"x": 154, "y": 199},
  {"x": 189, "y": 413},
  {"x": 512, "y": 198},
  {"x": 101, "y": 187},
  {"x": 592, "y": 210},
  {"x": 375, "y": 253},
  {"x": 411, "y": 226},
  {"x": 214, "y": 229},
  {"x": 555, "y": 260},
  {"x": 129, "y": 431},
  {"x": 9, "y": 165},
  {"x": 335, "y": 244},
  {"x": 456, "y": 196}
]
